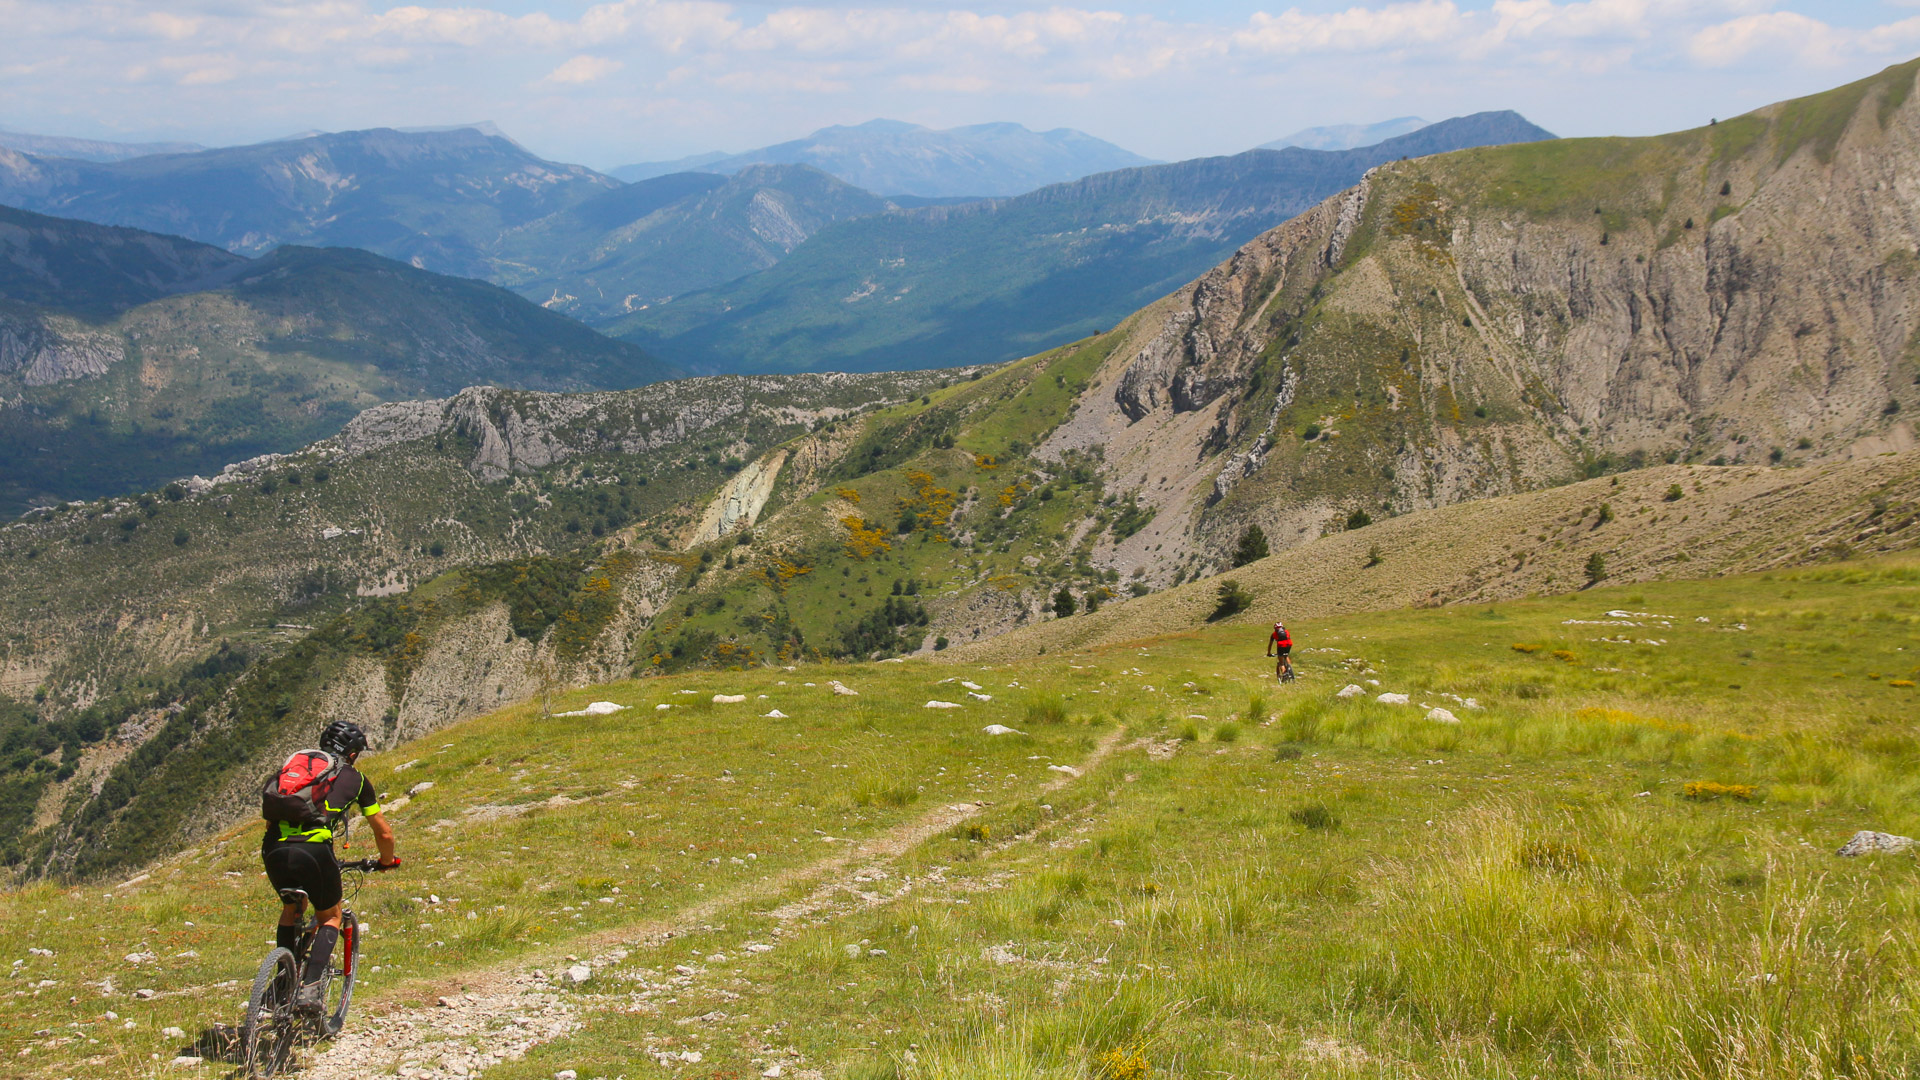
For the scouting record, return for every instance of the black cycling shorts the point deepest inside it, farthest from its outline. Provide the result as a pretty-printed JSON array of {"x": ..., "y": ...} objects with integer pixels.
[
  {"x": 308, "y": 867},
  {"x": 1283, "y": 650}
]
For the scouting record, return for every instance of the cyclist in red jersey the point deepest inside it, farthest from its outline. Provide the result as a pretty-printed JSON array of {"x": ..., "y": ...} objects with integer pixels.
[{"x": 1280, "y": 645}]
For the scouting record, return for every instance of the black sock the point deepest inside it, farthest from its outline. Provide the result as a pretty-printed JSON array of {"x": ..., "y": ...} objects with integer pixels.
[
  {"x": 286, "y": 937},
  {"x": 320, "y": 953}
]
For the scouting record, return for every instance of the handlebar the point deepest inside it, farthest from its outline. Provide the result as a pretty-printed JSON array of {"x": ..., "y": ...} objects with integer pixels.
[{"x": 372, "y": 866}]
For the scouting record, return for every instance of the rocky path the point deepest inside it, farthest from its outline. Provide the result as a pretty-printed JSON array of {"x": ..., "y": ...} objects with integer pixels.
[{"x": 501, "y": 1013}]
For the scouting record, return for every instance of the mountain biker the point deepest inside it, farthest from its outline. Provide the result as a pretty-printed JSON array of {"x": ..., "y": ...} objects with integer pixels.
[
  {"x": 303, "y": 859},
  {"x": 1280, "y": 645}
]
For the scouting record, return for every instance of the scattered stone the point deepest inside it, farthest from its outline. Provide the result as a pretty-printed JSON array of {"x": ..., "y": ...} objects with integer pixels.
[
  {"x": 1001, "y": 729},
  {"x": 774, "y": 1070},
  {"x": 143, "y": 994},
  {"x": 576, "y": 974},
  {"x": 943, "y": 705},
  {"x": 758, "y": 947},
  {"x": 853, "y": 952},
  {"x": 979, "y": 697},
  {"x": 662, "y": 707},
  {"x": 145, "y": 956},
  {"x": 422, "y": 786},
  {"x": 1868, "y": 842},
  {"x": 566, "y": 1074},
  {"x": 682, "y": 969},
  {"x": 1068, "y": 769},
  {"x": 39, "y": 952},
  {"x": 1392, "y": 699},
  {"x": 1351, "y": 690},
  {"x": 842, "y": 690},
  {"x": 729, "y": 699},
  {"x": 189, "y": 1059},
  {"x": 776, "y": 714},
  {"x": 968, "y": 685},
  {"x": 1442, "y": 716},
  {"x": 172, "y": 1033}
]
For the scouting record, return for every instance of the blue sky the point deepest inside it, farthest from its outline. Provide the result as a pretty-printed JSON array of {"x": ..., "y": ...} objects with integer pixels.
[{"x": 629, "y": 80}]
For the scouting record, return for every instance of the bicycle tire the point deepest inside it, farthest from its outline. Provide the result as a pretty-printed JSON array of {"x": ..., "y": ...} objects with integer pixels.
[
  {"x": 267, "y": 1035},
  {"x": 349, "y": 969}
]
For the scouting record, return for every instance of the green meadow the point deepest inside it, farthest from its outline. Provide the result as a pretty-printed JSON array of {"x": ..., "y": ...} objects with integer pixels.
[{"x": 1616, "y": 858}]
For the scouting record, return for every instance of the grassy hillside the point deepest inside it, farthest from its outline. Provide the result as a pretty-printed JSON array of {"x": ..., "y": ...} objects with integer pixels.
[
  {"x": 993, "y": 281},
  {"x": 1617, "y": 859},
  {"x": 280, "y": 355},
  {"x": 97, "y": 270}
]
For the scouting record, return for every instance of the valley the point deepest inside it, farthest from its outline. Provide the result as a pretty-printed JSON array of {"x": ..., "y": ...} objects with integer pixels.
[{"x": 908, "y": 720}]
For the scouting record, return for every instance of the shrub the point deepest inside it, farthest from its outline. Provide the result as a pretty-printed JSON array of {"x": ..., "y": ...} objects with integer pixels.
[
  {"x": 173, "y": 492},
  {"x": 1708, "y": 790},
  {"x": 939, "y": 643},
  {"x": 1313, "y": 816},
  {"x": 1373, "y": 556},
  {"x": 1310, "y": 432},
  {"x": 1227, "y": 733},
  {"x": 1674, "y": 494},
  {"x": 1047, "y": 708},
  {"x": 1257, "y": 709},
  {"x": 1554, "y": 856},
  {"x": 1063, "y": 603},
  {"x": 1564, "y": 654},
  {"x": 180, "y": 538},
  {"x": 1523, "y": 647},
  {"x": 1127, "y": 1062},
  {"x": 1605, "y": 515},
  {"x": 1253, "y": 546},
  {"x": 1230, "y": 600},
  {"x": 1287, "y": 752},
  {"x": 1359, "y": 519},
  {"x": 1189, "y": 732},
  {"x": 1596, "y": 568}
]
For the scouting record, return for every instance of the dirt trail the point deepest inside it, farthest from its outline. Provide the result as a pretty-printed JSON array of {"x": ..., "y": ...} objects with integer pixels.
[{"x": 501, "y": 1013}]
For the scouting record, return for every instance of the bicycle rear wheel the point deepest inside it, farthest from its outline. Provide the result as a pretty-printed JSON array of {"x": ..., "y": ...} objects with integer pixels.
[
  {"x": 349, "y": 967},
  {"x": 267, "y": 1036}
]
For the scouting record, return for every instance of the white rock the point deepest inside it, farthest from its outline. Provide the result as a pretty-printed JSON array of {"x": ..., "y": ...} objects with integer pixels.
[
  {"x": 943, "y": 705},
  {"x": 39, "y": 952},
  {"x": 1392, "y": 699},
  {"x": 776, "y": 714},
  {"x": 1867, "y": 842},
  {"x": 1351, "y": 690},
  {"x": 1001, "y": 729},
  {"x": 172, "y": 1033},
  {"x": 1068, "y": 769},
  {"x": 1442, "y": 716},
  {"x": 968, "y": 685},
  {"x": 853, "y": 952},
  {"x": 143, "y": 994},
  {"x": 729, "y": 699},
  {"x": 759, "y": 947},
  {"x": 979, "y": 697},
  {"x": 774, "y": 1071},
  {"x": 598, "y": 708},
  {"x": 566, "y": 1074},
  {"x": 576, "y": 974},
  {"x": 842, "y": 690},
  {"x": 188, "y": 1059},
  {"x": 662, "y": 707},
  {"x": 424, "y": 785}
]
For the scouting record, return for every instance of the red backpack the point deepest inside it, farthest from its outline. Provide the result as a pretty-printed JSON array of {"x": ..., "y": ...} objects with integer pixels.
[{"x": 296, "y": 794}]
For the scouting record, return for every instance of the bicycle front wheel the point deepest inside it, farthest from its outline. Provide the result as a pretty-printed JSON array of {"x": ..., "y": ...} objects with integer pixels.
[
  {"x": 349, "y": 967},
  {"x": 266, "y": 1038}
]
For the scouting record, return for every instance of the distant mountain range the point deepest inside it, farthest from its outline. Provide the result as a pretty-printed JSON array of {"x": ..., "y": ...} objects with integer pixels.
[
  {"x": 890, "y": 157},
  {"x": 89, "y": 149},
  {"x": 647, "y": 242},
  {"x": 439, "y": 200},
  {"x": 128, "y": 359},
  {"x": 1347, "y": 136},
  {"x": 995, "y": 280}
]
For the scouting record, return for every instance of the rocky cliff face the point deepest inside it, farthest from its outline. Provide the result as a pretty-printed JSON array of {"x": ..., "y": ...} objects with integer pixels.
[{"x": 1494, "y": 320}]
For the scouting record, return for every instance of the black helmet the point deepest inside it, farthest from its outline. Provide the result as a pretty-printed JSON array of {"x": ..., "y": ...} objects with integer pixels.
[{"x": 343, "y": 737}]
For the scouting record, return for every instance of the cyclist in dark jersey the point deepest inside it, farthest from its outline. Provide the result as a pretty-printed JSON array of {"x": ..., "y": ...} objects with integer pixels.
[
  {"x": 303, "y": 859},
  {"x": 1280, "y": 645}
]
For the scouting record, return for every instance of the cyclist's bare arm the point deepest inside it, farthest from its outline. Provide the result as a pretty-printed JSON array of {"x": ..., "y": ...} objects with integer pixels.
[{"x": 382, "y": 837}]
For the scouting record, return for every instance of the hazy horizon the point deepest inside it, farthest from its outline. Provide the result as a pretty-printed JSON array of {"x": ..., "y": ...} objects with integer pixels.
[{"x": 609, "y": 84}]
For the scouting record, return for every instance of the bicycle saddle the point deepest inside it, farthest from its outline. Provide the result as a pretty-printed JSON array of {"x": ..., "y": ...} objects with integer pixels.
[{"x": 293, "y": 896}]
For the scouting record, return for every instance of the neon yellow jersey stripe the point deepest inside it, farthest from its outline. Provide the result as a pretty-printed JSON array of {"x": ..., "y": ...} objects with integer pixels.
[{"x": 369, "y": 811}]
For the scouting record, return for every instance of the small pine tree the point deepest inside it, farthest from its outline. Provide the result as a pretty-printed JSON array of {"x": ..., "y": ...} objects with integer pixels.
[
  {"x": 1063, "y": 604},
  {"x": 1374, "y": 557},
  {"x": 1359, "y": 519},
  {"x": 1231, "y": 599},
  {"x": 1596, "y": 568},
  {"x": 1253, "y": 547},
  {"x": 1674, "y": 494}
]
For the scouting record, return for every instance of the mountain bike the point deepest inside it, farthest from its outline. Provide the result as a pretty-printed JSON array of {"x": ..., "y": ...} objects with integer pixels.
[{"x": 273, "y": 1027}]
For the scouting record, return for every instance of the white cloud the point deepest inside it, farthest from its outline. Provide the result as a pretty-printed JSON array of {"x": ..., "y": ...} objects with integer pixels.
[{"x": 581, "y": 70}]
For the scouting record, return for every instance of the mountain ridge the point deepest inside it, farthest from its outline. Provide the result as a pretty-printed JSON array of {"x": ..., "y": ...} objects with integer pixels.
[{"x": 891, "y": 157}]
